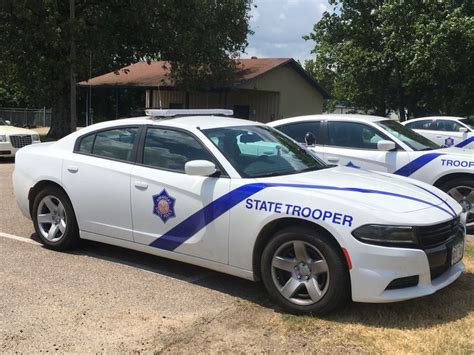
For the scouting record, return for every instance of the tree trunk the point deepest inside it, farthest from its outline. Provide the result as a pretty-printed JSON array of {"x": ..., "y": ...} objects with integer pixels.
[{"x": 60, "y": 115}]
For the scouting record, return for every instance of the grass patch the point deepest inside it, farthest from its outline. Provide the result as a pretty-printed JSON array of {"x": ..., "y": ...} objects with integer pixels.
[{"x": 440, "y": 323}]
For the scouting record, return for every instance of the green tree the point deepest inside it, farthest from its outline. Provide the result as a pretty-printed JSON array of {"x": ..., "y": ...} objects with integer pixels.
[
  {"x": 415, "y": 57},
  {"x": 40, "y": 44}
]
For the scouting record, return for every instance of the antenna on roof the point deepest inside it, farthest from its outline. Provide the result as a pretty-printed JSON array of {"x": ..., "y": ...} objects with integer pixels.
[{"x": 168, "y": 113}]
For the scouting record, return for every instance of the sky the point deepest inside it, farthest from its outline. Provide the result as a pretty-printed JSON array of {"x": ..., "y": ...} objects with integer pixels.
[{"x": 279, "y": 26}]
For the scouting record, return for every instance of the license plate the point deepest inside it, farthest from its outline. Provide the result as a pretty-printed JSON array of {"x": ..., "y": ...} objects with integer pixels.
[{"x": 457, "y": 253}]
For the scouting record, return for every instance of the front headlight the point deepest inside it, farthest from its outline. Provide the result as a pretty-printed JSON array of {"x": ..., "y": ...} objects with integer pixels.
[
  {"x": 35, "y": 137},
  {"x": 3, "y": 138},
  {"x": 386, "y": 235}
]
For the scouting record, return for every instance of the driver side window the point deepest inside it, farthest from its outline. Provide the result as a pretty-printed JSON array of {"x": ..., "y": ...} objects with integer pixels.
[{"x": 354, "y": 135}]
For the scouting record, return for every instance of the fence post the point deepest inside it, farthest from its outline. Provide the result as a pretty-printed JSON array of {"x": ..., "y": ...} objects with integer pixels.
[{"x": 44, "y": 116}]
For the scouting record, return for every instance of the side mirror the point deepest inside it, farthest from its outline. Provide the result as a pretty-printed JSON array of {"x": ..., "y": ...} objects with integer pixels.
[
  {"x": 200, "y": 168},
  {"x": 8, "y": 123},
  {"x": 309, "y": 139},
  {"x": 386, "y": 145},
  {"x": 463, "y": 130}
]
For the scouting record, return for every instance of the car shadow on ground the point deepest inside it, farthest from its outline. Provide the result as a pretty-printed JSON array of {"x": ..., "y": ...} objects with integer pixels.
[{"x": 449, "y": 304}]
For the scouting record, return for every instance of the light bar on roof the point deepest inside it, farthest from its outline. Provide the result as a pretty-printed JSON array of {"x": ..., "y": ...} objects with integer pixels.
[{"x": 187, "y": 112}]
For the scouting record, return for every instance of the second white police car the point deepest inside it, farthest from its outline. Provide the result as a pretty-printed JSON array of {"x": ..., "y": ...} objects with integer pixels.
[
  {"x": 444, "y": 130},
  {"x": 381, "y": 144},
  {"x": 241, "y": 198}
]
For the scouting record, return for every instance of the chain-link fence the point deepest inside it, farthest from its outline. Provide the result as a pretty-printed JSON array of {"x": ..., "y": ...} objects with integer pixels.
[{"x": 26, "y": 117}]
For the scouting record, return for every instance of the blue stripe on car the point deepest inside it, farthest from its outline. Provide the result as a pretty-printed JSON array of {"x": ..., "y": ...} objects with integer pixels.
[
  {"x": 197, "y": 221},
  {"x": 465, "y": 142},
  {"x": 417, "y": 164},
  {"x": 439, "y": 198}
]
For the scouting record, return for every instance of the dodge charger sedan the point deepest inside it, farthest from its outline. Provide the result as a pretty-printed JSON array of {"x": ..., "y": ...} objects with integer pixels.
[{"x": 241, "y": 198}]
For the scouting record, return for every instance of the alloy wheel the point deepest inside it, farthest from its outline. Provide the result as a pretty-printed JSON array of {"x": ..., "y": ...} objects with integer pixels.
[
  {"x": 52, "y": 218},
  {"x": 300, "y": 272}
]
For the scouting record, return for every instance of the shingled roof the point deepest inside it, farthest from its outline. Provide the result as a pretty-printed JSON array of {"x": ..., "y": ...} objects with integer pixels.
[{"x": 155, "y": 74}]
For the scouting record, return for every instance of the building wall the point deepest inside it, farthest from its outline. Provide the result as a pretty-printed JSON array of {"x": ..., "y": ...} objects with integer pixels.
[
  {"x": 263, "y": 105},
  {"x": 281, "y": 93},
  {"x": 297, "y": 95}
]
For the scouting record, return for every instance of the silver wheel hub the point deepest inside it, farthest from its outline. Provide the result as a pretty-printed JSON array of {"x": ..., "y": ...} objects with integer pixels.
[
  {"x": 52, "y": 218},
  {"x": 300, "y": 272}
]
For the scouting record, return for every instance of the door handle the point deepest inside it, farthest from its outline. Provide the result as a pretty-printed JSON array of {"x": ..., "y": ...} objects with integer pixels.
[
  {"x": 333, "y": 160},
  {"x": 141, "y": 185},
  {"x": 72, "y": 169}
]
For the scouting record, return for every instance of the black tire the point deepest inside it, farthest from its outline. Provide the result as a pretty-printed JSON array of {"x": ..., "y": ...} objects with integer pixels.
[
  {"x": 465, "y": 183},
  {"x": 70, "y": 238},
  {"x": 338, "y": 282}
]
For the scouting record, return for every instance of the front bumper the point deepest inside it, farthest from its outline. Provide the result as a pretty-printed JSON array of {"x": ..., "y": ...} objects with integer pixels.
[
  {"x": 377, "y": 267},
  {"x": 7, "y": 150}
]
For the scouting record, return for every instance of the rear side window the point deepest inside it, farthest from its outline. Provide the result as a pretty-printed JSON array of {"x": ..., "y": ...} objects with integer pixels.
[
  {"x": 85, "y": 146},
  {"x": 298, "y": 131},
  {"x": 114, "y": 144},
  {"x": 170, "y": 150}
]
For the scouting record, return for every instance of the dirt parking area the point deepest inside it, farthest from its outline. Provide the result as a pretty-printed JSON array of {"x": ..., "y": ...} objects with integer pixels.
[{"x": 101, "y": 298}]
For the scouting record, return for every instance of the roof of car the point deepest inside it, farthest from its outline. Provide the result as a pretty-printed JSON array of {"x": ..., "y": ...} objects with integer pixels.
[
  {"x": 448, "y": 118},
  {"x": 186, "y": 122},
  {"x": 333, "y": 117}
]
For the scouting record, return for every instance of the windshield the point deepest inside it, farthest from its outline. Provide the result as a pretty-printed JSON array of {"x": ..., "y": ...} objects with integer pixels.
[
  {"x": 467, "y": 122},
  {"x": 259, "y": 151},
  {"x": 412, "y": 139}
]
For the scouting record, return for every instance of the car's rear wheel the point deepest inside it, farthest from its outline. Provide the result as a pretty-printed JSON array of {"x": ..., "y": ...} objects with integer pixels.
[
  {"x": 462, "y": 190},
  {"x": 54, "y": 219},
  {"x": 304, "y": 272}
]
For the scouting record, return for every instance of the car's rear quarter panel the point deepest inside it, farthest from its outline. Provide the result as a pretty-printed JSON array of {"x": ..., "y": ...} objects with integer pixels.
[{"x": 34, "y": 164}]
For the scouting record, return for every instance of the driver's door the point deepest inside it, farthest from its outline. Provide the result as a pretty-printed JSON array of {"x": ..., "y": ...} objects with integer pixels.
[
  {"x": 354, "y": 144},
  {"x": 170, "y": 209}
]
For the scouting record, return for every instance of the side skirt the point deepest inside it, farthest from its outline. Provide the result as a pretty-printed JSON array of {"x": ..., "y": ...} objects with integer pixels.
[{"x": 227, "y": 269}]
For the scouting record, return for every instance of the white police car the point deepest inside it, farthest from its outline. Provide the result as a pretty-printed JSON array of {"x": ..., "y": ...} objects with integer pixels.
[
  {"x": 189, "y": 189},
  {"x": 444, "y": 130},
  {"x": 380, "y": 144}
]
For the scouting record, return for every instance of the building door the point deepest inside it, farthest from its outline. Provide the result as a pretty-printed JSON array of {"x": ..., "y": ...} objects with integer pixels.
[{"x": 242, "y": 111}]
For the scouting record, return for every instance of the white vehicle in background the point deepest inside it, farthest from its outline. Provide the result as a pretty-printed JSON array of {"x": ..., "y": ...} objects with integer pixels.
[
  {"x": 381, "y": 144},
  {"x": 13, "y": 138},
  {"x": 187, "y": 188},
  {"x": 445, "y": 130}
]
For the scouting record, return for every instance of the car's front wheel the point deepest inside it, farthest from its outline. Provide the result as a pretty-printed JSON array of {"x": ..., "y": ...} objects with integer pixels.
[
  {"x": 304, "y": 272},
  {"x": 462, "y": 190},
  {"x": 54, "y": 219}
]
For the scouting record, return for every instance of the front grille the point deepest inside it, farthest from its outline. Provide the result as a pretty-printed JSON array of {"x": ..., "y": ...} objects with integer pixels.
[
  {"x": 431, "y": 236},
  {"x": 20, "y": 141}
]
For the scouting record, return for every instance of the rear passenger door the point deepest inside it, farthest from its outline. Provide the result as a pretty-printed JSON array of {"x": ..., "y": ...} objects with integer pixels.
[
  {"x": 354, "y": 144},
  {"x": 172, "y": 210},
  {"x": 97, "y": 179}
]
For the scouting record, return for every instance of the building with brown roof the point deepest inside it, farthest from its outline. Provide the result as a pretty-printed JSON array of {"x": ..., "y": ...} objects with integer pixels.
[{"x": 265, "y": 89}]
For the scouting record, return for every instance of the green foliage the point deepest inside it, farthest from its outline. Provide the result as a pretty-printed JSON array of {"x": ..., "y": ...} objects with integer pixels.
[
  {"x": 198, "y": 37},
  {"x": 415, "y": 56}
]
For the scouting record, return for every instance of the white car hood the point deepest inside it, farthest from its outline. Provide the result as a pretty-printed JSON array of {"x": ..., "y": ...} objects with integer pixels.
[
  {"x": 365, "y": 190},
  {"x": 9, "y": 130},
  {"x": 464, "y": 152}
]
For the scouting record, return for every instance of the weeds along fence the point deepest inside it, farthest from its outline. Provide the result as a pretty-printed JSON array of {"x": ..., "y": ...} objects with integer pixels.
[{"x": 26, "y": 117}]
